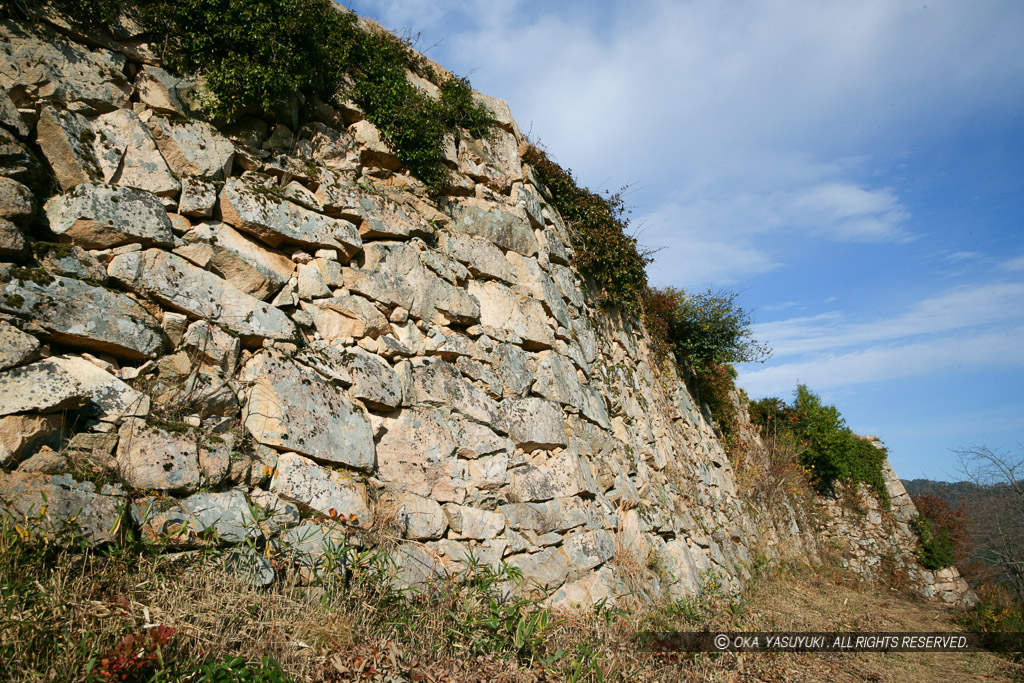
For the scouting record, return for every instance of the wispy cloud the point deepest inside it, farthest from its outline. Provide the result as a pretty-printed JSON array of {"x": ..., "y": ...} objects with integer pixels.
[
  {"x": 957, "y": 309},
  {"x": 883, "y": 363}
]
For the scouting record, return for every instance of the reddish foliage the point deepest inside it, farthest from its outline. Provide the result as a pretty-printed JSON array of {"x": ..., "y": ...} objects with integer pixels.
[
  {"x": 136, "y": 653},
  {"x": 944, "y": 517}
]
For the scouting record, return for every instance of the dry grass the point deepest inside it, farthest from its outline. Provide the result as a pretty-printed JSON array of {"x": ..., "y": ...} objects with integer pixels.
[{"x": 60, "y": 613}]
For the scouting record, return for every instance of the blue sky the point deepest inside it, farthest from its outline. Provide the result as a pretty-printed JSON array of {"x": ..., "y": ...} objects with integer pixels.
[{"x": 854, "y": 169}]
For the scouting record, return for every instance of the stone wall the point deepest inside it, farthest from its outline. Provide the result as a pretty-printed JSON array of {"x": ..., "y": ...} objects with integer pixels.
[
  {"x": 266, "y": 336},
  {"x": 879, "y": 544}
]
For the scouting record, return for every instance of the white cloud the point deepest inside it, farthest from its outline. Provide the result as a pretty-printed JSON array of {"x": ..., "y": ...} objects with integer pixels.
[
  {"x": 741, "y": 118},
  {"x": 998, "y": 348},
  {"x": 1014, "y": 264},
  {"x": 960, "y": 308}
]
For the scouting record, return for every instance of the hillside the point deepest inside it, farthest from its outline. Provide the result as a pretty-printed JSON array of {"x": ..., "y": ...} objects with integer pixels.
[{"x": 311, "y": 355}]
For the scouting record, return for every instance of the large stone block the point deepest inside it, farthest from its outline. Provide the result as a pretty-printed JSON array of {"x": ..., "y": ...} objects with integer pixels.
[
  {"x": 57, "y": 506},
  {"x": 20, "y": 435},
  {"x": 413, "y": 450},
  {"x": 547, "y": 569},
  {"x": 16, "y": 347},
  {"x": 110, "y": 399},
  {"x": 566, "y": 474},
  {"x": 290, "y": 406},
  {"x": 42, "y": 64},
  {"x": 152, "y": 457},
  {"x": 80, "y": 314},
  {"x": 534, "y": 423},
  {"x": 179, "y": 284},
  {"x": 242, "y": 261},
  {"x": 440, "y": 384},
  {"x": 43, "y": 387},
  {"x": 193, "y": 148},
  {"x": 509, "y": 229},
  {"x": 99, "y": 217},
  {"x": 254, "y": 209},
  {"x": 346, "y": 316},
  {"x": 317, "y": 488},
  {"x": 127, "y": 155},
  {"x": 589, "y": 549},
  {"x": 503, "y": 312}
]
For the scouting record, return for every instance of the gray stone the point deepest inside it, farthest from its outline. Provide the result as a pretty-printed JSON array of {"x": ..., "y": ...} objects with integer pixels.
[
  {"x": 16, "y": 347},
  {"x": 383, "y": 219},
  {"x": 415, "y": 566},
  {"x": 13, "y": 244},
  {"x": 509, "y": 229},
  {"x": 110, "y": 399},
  {"x": 21, "y": 435},
  {"x": 589, "y": 549},
  {"x": 557, "y": 381},
  {"x": 193, "y": 148},
  {"x": 17, "y": 161},
  {"x": 438, "y": 383},
  {"x": 412, "y": 450},
  {"x": 227, "y": 514},
  {"x": 556, "y": 515},
  {"x": 17, "y": 204},
  {"x": 176, "y": 283},
  {"x": 429, "y": 291},
  {"x": 242, "y": 261},
  {"x": 150, "y": 457},
  {"x": 127, "y": 155},
  {"x": 487, "y": 473},
  {"x": 290, "y": 406},
  {"x": 58, "y": 507},
  {"x": 310, "y": 283},
  {"x": 546, "y": 570},
  {"x": 482, "y": 257},
  {"x": 317, "y": 488},
  {"x": 513, "y": 367},
  {"x": 98, "y": 217},
  {"x": 198, "y": 197},
  {"x": 387, "y": 287},
  {"x": 503, "y": 312},
  {"x": 41, "y": 64},
  {"x": 255, "y": 210},
  {"x": 273, "y": 512},
  {"x": 566, "y": 474},
  {"x": 534, "y": 423},
  {"x": 71, "y": 261},
  {"x": 10, "y": 117},
  {"x": 471, "y": 522},
  {"x": 66, "y": 139},
  {"x": 211, "y": 344},
  {"x": 346, "y": 316},
  {"x": 165, "y": 93},
  {"x": 328, "y": 147},
  {"x": 250, "y": 566},
  {"x": 539, "y": 284},
  {"x": 476, "y": 440},
  {"x": 420, "y": 518},
  {"x": 373, "y": 380},
  {"x": 42, "y": 387}
]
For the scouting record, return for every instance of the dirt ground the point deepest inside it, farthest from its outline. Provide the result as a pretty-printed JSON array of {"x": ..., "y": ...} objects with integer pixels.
[{"x": 815, "y": 601}]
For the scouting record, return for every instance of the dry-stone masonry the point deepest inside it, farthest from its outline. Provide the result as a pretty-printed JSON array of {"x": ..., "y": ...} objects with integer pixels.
[{"x": 269, "y": 330}]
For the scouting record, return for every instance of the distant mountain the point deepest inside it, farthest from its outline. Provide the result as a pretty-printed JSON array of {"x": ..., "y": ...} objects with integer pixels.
[{"x": 954, "y": 493}]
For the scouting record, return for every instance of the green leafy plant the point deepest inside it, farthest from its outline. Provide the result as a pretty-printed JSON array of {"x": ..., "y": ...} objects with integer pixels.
[
  {"x": 935, "y": 548},
  {"x": 829, "y": 450},
  {"x": 604, "y": 251}
]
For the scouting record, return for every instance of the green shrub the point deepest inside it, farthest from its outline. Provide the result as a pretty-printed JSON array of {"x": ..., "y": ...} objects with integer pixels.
[
  {"x": 935, "y": 548},
  {"x": 704, "y": 328},
  {"x": 604, "y": 251},
  {"x": 254, "y": 54},
  {"x": 829, "y": 450}
]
